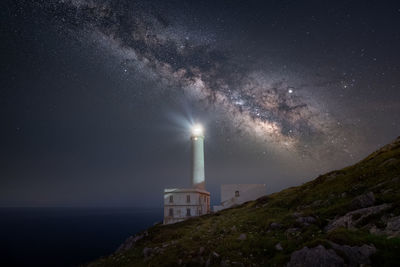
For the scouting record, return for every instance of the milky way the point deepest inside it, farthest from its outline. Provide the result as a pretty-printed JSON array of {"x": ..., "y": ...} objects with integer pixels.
[
  {"x": 98, "y": 97},
  {"x": 271, "y": 107}
]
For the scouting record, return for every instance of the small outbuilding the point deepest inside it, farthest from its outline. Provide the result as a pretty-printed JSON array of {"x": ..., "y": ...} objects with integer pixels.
[{"x": 236, "y": 194}]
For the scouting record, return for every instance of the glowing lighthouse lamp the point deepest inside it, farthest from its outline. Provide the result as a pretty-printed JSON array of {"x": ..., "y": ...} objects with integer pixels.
[{"x": 197, "y": 129}]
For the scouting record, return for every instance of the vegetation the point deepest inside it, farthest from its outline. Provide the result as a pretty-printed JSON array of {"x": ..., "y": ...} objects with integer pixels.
[{"x": 268, "y": 230}]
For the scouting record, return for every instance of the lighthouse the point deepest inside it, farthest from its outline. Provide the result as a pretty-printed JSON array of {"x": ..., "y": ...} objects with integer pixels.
[{"x": 183, "y": 203}]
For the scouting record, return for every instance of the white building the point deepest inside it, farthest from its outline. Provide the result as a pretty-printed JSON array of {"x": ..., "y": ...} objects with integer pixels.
[
  {"x": 235, "y": 194},
  {"x": 181, "y": 204}
]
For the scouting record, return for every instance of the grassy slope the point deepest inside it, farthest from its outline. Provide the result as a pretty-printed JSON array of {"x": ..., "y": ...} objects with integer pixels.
[{"x": 321, "y": 198}]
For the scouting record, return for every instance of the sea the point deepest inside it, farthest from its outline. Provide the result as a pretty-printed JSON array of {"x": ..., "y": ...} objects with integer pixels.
[{"x": 67, "y": 236}]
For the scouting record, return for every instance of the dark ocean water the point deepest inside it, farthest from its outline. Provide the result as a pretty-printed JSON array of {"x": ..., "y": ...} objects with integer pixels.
[{"x": 67, "y": 236}]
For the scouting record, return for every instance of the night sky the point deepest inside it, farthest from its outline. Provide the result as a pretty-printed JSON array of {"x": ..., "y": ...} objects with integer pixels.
[{"x": 97, "y": 97}]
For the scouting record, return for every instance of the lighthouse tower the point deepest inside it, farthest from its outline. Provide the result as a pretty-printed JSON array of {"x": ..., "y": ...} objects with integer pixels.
[
  {"x": 181, "y": 204},
  {"x": 198, "y": 179}
]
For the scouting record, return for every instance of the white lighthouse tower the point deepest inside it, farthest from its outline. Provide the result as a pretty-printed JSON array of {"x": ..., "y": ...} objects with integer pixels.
[
  {"x": 198, "y": 179},
  {"x": 181, "y": 204}
]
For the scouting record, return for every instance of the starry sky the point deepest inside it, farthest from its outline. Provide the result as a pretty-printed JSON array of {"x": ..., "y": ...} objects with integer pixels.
[{"x": 97, "y": 97}]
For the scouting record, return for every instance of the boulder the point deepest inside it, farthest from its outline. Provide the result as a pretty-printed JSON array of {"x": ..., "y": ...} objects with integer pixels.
[
  {"x": 356, "y": 256},
  {"x": 317, "y": 256},
  {"x": 393, "y": 227},
  {"x": 275, "y": 225},
  {"x": 363, "y": 201},
  {"x": 242, "y": 237},
  {"x": 278, "y": 247},
  {"x": 215, "y": 254},
  {"x": 147, "y": 252},
  {"x": 306, "y": 220},
  {"x": 351, "y": 219}
]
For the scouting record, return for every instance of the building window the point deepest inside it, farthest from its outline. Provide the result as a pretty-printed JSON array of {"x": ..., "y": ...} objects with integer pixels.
[
  {"x": 237, "y": 193},
  {"x": 171, "y": 199},
  {"x": 188, "y": 212},
  {"x": 188, "y": 198},
  {"x": 171, "y": 212}
]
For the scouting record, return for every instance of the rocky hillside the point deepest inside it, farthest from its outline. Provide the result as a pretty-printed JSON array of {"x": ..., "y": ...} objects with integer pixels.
[{"x": 348, "y": 217}]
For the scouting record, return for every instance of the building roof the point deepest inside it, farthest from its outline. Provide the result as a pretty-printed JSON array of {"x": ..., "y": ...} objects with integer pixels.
[{"x": 185, "y": 190}]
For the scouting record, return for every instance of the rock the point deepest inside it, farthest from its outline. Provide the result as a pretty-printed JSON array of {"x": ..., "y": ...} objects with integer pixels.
[
  {"x": 201, "y": 250},
  {"x": 316, "y": 203},
  {"x": 275, "y": 225},
  {"x": 388, "y": 162},
  {"x": 129, "y": 243},
  {"x": 375, "y": 230},
  {"x": 147, "y": 252},
  {"x": 350, "y": 219},
  {"x": 363, "y": 201},
  {"x": 384, "y": 192},
  {"x": 292, "y": 230},
  {"x": 356, "y": 256},
  {"x": 380, "y": 185},
  {"x": 242, "y": 237},
  {"x": 393, "y": 227},
  {"x": 306, "y": 220},
  {"x": 318, "y": 256},
  {"x": 278, "y": 247},
  {"x": 157, "y": 250}
]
